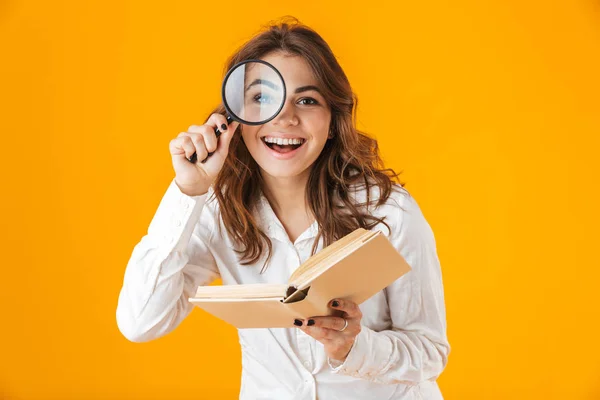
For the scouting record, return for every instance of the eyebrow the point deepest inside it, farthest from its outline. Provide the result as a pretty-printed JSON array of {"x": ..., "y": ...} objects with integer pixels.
[
  {"x": 307, "y": 88},
  {"x": 265, "y": 82},
  {"x": 274, "y": 86}
]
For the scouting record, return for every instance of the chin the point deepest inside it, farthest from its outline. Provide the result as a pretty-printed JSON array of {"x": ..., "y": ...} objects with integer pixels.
[{"x": 283, "y": 171}]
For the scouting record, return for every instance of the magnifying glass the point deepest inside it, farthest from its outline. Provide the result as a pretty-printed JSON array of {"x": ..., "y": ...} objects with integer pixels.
[{"x": 253, "y": 93}]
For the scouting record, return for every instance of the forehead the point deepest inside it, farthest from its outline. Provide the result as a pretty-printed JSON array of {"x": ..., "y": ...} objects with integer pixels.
[{"x": 294, "y": 69}]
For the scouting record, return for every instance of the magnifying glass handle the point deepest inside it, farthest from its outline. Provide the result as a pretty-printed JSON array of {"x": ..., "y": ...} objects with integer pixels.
[{"x": 194, "y": 156}]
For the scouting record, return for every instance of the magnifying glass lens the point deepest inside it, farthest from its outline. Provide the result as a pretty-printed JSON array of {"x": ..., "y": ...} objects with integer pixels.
[{"x": 254, "y": 92}]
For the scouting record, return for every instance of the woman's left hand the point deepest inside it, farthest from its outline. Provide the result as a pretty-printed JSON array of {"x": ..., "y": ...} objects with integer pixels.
[{"x": 336, "y": 333}]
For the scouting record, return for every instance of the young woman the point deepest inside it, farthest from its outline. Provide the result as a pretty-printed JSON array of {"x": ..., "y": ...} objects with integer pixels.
[{"x": 257, "y": 209}]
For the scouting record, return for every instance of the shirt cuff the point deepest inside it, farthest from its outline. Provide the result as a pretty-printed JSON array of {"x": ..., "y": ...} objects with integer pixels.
[
  {"x": 335, "y": 365},
  {"x": 176, "y": 217},
  {"x": 369, "y": 356}
]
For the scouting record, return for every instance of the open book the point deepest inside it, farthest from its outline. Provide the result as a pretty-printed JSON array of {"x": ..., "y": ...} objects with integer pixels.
[{"x": 354, "y": 268}]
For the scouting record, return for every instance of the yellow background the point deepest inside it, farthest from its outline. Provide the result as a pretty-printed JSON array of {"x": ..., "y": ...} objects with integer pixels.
[{"x": 490, "y": 107}]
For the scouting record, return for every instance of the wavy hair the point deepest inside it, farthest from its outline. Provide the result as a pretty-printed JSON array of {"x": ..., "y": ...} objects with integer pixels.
[{"x": 349, "y": 160}]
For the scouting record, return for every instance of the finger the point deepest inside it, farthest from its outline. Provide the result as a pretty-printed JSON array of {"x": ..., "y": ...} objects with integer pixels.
[
  {"x": 208, "y": 137},
  {"x": 333, "y": 323},
  {"x": 194, "y": 128},
  {"x": 214, "y": 121},
  {"x": 197, "y": 143},
  {"x": 183, "y": 146},
  {"x": 323, "y": 335},
  {"x": 198, "y": 138},
  {"x": 347, "y": 306},
  {"x": 226, "y": 137},
  {"x": 175, "y": 147},
  {"x": 219, "y": 121}
]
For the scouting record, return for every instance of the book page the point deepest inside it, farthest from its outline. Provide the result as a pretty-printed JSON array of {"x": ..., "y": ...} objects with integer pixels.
[
  {"x": 247, "y": 291},
  {"x": 302, "y": 281},
  {"x": 249, "y": 313},
  {"x": 328, "y": 251},
  {"x": 353, "y": 274}
]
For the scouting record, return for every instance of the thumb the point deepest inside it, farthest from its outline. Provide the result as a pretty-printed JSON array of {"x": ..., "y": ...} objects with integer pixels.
[{"x": 226, "y": 137}]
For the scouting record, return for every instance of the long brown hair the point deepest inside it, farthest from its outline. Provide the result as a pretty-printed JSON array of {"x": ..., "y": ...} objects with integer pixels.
[{"x": 349, "y": 160}]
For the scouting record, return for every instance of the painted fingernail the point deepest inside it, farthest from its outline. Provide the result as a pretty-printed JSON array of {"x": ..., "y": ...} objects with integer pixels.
[
  {"x": 224, "y": 127},
  {"x": 297, "y": 322},
  {"x": 335, "y": 303},
  {"x": 311, "y": 322}
]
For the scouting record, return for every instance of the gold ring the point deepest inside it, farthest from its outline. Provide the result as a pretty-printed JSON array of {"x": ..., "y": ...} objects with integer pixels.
[{"x": 345, "y": 325}]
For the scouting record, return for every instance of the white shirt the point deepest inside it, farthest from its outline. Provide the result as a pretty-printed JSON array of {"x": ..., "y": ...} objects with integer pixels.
[{"x": 402, "y": 347}]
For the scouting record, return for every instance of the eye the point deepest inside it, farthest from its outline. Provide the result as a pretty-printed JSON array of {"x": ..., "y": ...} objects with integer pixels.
[
  {"x": 263, "y": 98},
  {"x": 308, "y": 101}
]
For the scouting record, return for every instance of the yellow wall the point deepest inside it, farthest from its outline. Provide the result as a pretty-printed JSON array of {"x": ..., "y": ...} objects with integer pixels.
[{"x": 491, "y": 108}]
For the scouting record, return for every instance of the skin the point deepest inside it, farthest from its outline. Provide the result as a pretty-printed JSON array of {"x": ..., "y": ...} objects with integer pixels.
[
  {"x": 304, "y": 115},
  {"x": 327, "y": 329}
]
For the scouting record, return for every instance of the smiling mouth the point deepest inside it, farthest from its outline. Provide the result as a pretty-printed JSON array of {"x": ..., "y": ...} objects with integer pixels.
[{"x": 280, "y": 147}]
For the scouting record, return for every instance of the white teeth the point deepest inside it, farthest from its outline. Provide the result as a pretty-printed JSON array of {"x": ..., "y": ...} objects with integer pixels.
[{"x": 281, "y": 141}]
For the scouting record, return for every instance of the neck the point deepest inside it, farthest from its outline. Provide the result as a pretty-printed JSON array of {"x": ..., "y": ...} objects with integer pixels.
[{"x": 287, "y": 195}]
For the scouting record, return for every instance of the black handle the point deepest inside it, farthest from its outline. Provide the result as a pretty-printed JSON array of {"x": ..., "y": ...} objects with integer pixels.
[{"x": 194, "y": 156}]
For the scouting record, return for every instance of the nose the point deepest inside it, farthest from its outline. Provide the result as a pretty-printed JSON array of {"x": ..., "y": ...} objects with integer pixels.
[{"x": 286, "y": 117}]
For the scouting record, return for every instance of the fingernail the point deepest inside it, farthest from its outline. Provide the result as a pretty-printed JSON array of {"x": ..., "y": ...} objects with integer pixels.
[
  {"x": 224, "y": 127},
  {"x": 335, "y": 303},
  {"x": 297, "y": 322},
  {"x": 311, "y": 322}
]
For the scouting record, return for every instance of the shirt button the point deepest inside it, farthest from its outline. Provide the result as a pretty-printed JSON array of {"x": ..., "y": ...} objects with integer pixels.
[
  {"x": 186, "y": 206},
  {"x": 178, "y": 223},
  {"x": 307, "y": 364}
]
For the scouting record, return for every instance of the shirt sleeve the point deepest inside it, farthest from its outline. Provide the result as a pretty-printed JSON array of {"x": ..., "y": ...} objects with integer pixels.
[
  {"x": 166, "y": 267},
  {"x": 415, "y": 348}
]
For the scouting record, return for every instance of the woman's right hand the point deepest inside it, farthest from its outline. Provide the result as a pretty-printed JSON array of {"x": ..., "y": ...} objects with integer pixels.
[{"x": 195, "y": 179}]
